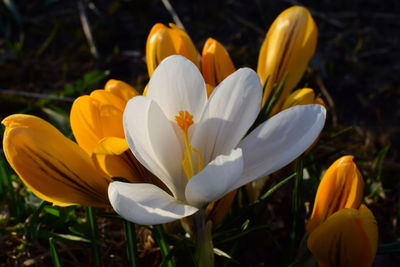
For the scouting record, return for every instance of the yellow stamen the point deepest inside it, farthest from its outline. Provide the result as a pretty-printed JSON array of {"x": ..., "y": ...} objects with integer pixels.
[
  {"x": 185, "y": 120},
  {"x": 199, "y": 159}
]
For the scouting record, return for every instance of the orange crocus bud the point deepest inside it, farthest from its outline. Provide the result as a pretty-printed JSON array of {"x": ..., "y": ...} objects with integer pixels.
[
  {"x": 216, "y": 64},
  {"x": 288, "y": 47},
  {"x": 348, "y": 238},
  {"x": 304, "y": 96},
  {"x": 341, "y": 187},
  {"x": 163, "y": 42}
]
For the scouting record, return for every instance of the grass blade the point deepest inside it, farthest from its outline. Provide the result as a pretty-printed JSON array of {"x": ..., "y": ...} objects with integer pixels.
[{"x": 54, "y": 253}]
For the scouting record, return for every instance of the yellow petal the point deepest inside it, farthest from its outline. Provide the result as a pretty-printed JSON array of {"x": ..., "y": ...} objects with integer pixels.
[
  {"x": 163, "y": 42},
  {"x": 52, "y": 166},
  {"x": 121, "y": 89},
  {"x": 341, "y": 187},
  {"x": 111, "y": 146},
  {"x": 159, "y": 45},
  {"x": 96, "y": 116},
  {"x": 288, "y": 47},
  {"x": 216, "y": 63},
  {"x": 112, "y": 155},
  {"x": 185, "y": 46},
  {"x": 303, "y": 96},
  {"x": 347, "y": 238}
]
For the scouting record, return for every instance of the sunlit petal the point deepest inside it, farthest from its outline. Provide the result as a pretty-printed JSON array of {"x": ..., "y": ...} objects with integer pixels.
[
  {"x": 341, "y": 187},
  {"x": 216, "y": 64},
  {"x": 215, "y": 180},
  {"x": 280, "y": 140},
  {"x": 177, "y": 85},
  {"x": 304, "y": 96},
  {"x": 288, "y": 47},
  {"x": 154, "y": 143},
  {"x": 163, "y": 42},
  {"x": 52, "y": 166},
  {"x": 231, "y": 110},
  {"x": 95, "y": 117},
  {"x": 120, "y": 89},
  {"x": 146, "y": 203}
]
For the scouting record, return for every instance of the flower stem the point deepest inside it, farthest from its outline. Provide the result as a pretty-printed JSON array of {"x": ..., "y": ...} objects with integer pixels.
[
  {"x": 130, "y": 235},
  {"x": 204, "y": 253},
  {"x": 164, "y": 248},
  {"x": 297, "y": 203},
  {"x": 94, "y": 234}
]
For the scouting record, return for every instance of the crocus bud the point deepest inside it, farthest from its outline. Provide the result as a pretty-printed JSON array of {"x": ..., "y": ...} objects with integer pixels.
[
  {"x": 304, "y": 96},
  {"x": 216, "y": 64},
  {"x": 341, "y": 187},
  {"x": 51, "y": 165},
  {"x": 288, "y": 47},
  {"x": 348, "y": 238},
  {"x": 163, "y": 42}
]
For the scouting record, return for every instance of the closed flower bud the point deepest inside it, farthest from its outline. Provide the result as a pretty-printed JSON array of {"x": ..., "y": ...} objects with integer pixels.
[
  {"x": 163, "y": 42},
  {"x": 347, "y": 238},
  {"x": 287, "y": 49},
  {"x": 216, "y": 64},
  {"x": 305, "y": 96},
  {"x": 341, "y": 187}
]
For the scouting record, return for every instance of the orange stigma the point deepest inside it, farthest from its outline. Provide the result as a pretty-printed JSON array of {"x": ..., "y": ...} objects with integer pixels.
[{"x": 184, "y": 120}]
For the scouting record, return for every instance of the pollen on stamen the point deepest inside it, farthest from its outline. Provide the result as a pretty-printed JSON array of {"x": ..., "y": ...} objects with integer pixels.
[{"x": 184, "y": 120}]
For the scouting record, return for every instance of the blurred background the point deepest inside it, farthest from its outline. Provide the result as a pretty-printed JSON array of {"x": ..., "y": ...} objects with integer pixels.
[{"x": 52, "y": 51}]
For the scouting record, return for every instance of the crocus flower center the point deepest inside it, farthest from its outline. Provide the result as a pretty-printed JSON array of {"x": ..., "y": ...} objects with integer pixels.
[{"x": 185, "y": 120}]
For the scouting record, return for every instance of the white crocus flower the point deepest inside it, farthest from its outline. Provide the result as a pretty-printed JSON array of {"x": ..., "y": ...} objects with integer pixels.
[{"x": 194, "y": 144}]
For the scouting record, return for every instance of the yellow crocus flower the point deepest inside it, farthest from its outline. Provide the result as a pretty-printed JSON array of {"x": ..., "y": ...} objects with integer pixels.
[
  {"x": 215, "y": 61},
  {"x": 288, "y": 47},
  {"x": 65, "y": 173},
  {"x": 304, "y": 96},
  {"x": 341, "y": 187},
  {"x": 96, "y": 122},
  {"x": 163, "y": 42},
  {"x": 347, "y": 238},
  {"x": 52, "y": 166},
  {"x": 216, "y": 64}
]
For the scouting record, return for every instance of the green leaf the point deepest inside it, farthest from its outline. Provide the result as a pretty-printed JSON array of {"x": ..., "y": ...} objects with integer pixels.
[
  {"x": 68, "y": 237},
  {"x": 54, "y": 253}
]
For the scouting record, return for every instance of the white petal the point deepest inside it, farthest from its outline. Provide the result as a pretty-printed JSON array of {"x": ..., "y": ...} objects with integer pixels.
[
  {"x": 177, "y": 85},
  {"x": 215, "y": 180},
  {"x": 231, "y": 110},
  {"x": 280, "y": 140},
  {"x": 154, "y": 143},
  {"x": 146, "y": 203}
]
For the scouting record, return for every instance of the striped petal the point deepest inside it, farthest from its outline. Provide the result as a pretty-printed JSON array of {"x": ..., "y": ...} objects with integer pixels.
[
  {"x": 216, "y": 64},
  {"x": 347, "y": 238},
  {"x": 341, "y": 187},
  {"x": 52, "y": 166}
]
